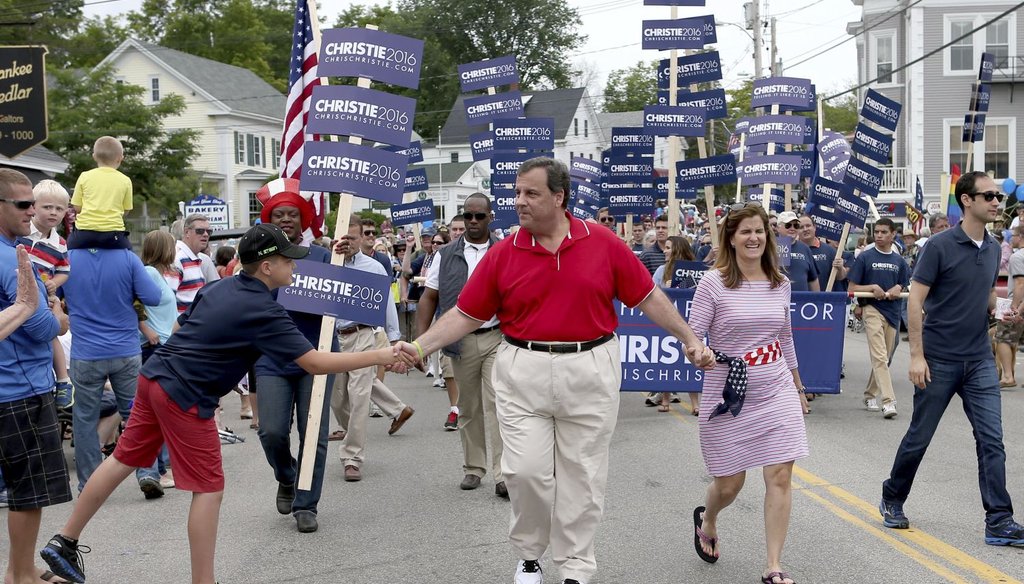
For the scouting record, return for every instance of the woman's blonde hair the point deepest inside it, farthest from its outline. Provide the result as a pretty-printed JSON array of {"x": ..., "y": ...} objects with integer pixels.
[{"x": 158, "y": 250}]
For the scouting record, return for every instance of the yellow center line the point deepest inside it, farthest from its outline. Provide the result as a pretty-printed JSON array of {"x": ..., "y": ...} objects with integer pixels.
[
  {"x": 955, "y": 556},
  {"x": 882, "y": 535}
]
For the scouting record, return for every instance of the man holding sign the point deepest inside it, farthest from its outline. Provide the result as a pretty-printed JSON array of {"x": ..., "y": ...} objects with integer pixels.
[{"x": 557, "y": 373}]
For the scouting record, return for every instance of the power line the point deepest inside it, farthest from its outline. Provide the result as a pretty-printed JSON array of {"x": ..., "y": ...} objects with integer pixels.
[
  {"x": 923, "y": 57},
  {"x": 846, "y": 39},
  {"x": 795, "y": 10}
]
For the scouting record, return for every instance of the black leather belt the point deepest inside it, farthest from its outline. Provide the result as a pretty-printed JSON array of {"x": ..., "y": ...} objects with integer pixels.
[
  {"x": 481, "y": 331},
  {"x": 353, "y": 328},
  {"x": 558, "y": 347}
]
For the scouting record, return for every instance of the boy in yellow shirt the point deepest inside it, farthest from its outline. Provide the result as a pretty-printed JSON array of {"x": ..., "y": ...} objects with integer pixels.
[{"x": 102, "y": 197}]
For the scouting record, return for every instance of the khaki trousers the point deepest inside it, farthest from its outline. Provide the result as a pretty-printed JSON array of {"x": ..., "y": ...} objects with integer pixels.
[
  {"x": 477, "y": 414},
  {"x": 350, "y": 400},
  {"x": 557, "y": 413},
  {"x": 881, "y": 345}
]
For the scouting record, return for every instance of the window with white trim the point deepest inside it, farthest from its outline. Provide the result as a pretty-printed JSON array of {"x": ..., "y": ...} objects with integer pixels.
[
  {"x": 964, "y": 56},
  {"x": 997, "y": 42},
  {"x": 154, "y": 89},
  {"x": 240, "y": 148},
  {"x": 961, "y": 53},
  {"x": 957, "y": 149},
  {"x": 254, "y": 208},
  {"x": 885, "y": 49},
  {"x": 995, "y": 154},
  {"x": 997, "y": 149}
]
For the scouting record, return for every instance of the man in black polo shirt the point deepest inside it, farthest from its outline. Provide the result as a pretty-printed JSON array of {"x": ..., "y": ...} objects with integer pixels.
[
  {"x": 954, "y": 287},
  {"x": 228, "y": 326}
]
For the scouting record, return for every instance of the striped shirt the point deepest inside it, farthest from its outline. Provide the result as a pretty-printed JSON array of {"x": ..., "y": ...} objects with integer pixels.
[
  {"x": 188, "y": 277},
  {"x": 49, "y": 254}
]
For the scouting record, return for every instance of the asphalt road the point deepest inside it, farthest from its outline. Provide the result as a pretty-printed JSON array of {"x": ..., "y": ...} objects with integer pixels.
[{"x": 407, "y": 521}]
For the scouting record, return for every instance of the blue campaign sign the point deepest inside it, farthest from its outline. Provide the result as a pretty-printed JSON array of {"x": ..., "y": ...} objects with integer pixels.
[
  {"x": 653, "y": 360},
  {"x": 666, "y": 120},
  {"x": 585, "y": 191},
  {"x": 524, "y": 133},
  {"x": 410, "y": 213},
  {"x": 504, "y": 218},
  {"x": 584, "y": 212},
  {"x": 981, "y": 96},
  {"x": 682, "y": 33},
  {"x": 881, "y": 110},
  {"x": 710, "y": 30},
  {"x": 974, "y": 128},
  {"x": 345, "y": 293},
  {"x": 826, "y": 192},
  {"x": 827, "y": 224},
  {"x": 631, "y": 142},
  {"x": 794, "y": 93},
  {"x": 808, "y": 163},
  {"x": 340, "y": 167},
  {"x": 863, "y": 176},
  {"x": 783, "y": 245},
  {"x": 780, "y": 129},
  {"x": 712, "y": 101},
  {"x": 364, "y": 52},
  {"x": 367, "y": 113},
  {"x": 488, "y": 73},
  {"x": 852, "y": 208},
  {"x": 630, "y": 199},
  {"x": 416, "y": 180},
  {"x": 585, "y": 168},
  {"x": 697, "y": 68},
  {"x": 482, "y": 145},
  {"x": 661, "y": 190},
  {"x": 872, "y": 143},
  {"x": 774, "y": 168},
  {"x": 621, "y": 168},
  {"x": 681, "y": 94},
  {"x": 699, "y": 172},
  {"x": 988, "y": 65},
  {"x": 687, "y": 274},
  {"x": 487, "y": 108},
  {"x": 414, "y": 151},
  {"x": 776, "y": 199},
  {"x": 506, "y": 164},
  {"x": 799, "y": 108}
]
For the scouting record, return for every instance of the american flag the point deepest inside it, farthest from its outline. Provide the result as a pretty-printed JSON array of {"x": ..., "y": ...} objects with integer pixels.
[{"x": 301, "y": 80}]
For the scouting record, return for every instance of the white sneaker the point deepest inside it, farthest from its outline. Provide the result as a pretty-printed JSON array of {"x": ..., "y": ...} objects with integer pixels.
[
  {"x": 375, "y": 411},
  {"x": 871, "y": 404},
  {"x": 889, "y": 410},
  {"x": 528, "y": 572},
  {"x": 439, "y": 382}
]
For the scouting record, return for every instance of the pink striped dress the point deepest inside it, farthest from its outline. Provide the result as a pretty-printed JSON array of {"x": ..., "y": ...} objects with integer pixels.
[{"x": 770, "y": 427}]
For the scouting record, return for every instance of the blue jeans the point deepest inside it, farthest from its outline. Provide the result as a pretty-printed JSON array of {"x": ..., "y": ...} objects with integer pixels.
[
  {"x": 279, "y": 396},
  {"x": 977, "y": 384},
  {"x": 89, "y": 378}
]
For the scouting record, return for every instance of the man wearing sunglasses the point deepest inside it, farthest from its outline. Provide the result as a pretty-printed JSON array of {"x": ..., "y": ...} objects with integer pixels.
[
  {"x": 604, "y": 217},
  {"x": 950, "y": 354},
  {"x": 188, "y": 263},
  {"x": 473, "y": 356},
  {"x": 801, "y": 271}
]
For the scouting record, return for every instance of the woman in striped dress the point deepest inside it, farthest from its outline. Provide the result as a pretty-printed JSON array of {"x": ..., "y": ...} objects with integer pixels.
[{"x": 751, "y": 407}]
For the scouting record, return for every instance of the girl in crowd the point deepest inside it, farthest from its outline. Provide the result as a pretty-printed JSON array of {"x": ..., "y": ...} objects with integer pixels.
[{"x": 751, "y": 407}]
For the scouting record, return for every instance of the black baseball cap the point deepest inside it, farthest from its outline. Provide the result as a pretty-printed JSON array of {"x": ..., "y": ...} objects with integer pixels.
[{"x": 265, "y": 240}]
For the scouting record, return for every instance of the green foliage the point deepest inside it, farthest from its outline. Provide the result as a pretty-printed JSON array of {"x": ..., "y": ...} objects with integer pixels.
[
  {"x": 86, "y": 106},
  {"x": 51, "y": 23},
  {"x": 632, "y": 88}
]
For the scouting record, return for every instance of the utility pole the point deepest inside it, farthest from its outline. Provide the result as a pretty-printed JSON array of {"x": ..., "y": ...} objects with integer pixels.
[
  {"x": 754, "y": 24},
  {"x": 775, "y": 53}
]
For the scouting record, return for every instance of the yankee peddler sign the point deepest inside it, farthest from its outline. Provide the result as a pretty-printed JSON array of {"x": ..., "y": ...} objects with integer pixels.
[
  {"x": 344, "y": 293},
  {"x": 23, "y": 122}
]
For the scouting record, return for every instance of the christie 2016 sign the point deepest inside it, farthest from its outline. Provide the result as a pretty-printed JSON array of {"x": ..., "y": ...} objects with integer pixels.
[
  {"x": 684, "y": 33},
  {"x": 340, "y": 167},
  {"x": 524, "y": 133},
  {"x": 667, "y": 120},
  {"x": 377, "y": 55},
  {"x": 355, "y": 111},
  {"x": 716, "y": 170},
  {"x": 792, "y": 92},
  {"x": 698, "y": 68},
  {"x": 489, "y": 73},
  {"x": 345, "y": 293},
  {"x": 487, "y": 108},
  {"x": 415, "y": 212},
  {"x": 653, "y": 360},
  {"x": 22, "y": 99}
]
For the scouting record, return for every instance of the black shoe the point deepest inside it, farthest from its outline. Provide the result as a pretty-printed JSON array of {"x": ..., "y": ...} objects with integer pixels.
[
  {"x": 501, "y": 490},
  {"x": 469, "y": 482},
  {"x": 285, "y": 496},
  {"x": 151, "y": 488},
  {"x": 306, "y": 521},
  {"x": 65, "y": 558},
  {"x": 570, "y": 581}
]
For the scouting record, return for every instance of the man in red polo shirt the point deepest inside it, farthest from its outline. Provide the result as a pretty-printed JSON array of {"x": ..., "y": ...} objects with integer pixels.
[{"x": 557, "y": 371}]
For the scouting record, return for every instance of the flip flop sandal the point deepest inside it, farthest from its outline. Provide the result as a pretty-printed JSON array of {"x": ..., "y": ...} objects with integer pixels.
[
  {"x": 700, "y": 537},
  {"x": 336, "y": 436},
  {"x": 695, "y": 412},
  {"x": 663, "y": 408},
  {"x": 49, "y": 576},
  {"x": 770, "y": 578}
]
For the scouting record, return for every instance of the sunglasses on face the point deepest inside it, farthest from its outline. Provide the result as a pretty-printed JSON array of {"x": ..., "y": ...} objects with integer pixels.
[
  {"x": 792, "y": 225},
  {"x": 369, "y": 233},
  {"x": 202, "y": 230},
  {"x": 20, "y": 205},
  {"x": 989, "y": 195},
  {"x": 607, "y": 219},
  {"x": 471, "y": 216},
  {"x": 438, "y": 242}
]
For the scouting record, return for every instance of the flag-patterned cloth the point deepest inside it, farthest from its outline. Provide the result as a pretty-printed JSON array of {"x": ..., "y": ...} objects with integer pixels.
[
  {"x": 735, "y": 390},
  {"x": 302, "y": 78},
  {"x": 952, "y": 208}
]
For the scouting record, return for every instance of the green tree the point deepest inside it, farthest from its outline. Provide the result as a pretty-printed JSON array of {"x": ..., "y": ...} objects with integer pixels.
[
  {"x": 842, "y": 115},
  {"x": 51, "y": 23},
  {"x": 95, "y": 39},
  {"x": 84, "y": 106},
  {"x": 632, "y": 88}
]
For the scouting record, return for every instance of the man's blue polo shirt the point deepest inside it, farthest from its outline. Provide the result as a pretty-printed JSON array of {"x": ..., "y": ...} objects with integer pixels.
[
  {"x": 823, "y": 255},
  {"x": 886, "y": 270},
  {"x": 309, "y": 325},
  {"x": 26, "y": 357},
  {"x": 801, "y": 271},
  {"x": 960, "y": 277},
  {"x": 224, "y": 331}
]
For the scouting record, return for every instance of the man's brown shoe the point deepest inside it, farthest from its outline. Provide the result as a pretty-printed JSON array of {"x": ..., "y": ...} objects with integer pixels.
[
  {"x": 352, "y": 474},
  {"x": 402, "y": 418}
]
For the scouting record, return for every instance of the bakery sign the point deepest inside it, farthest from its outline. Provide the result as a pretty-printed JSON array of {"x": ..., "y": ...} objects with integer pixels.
[{"x": 22, "y": 99}]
